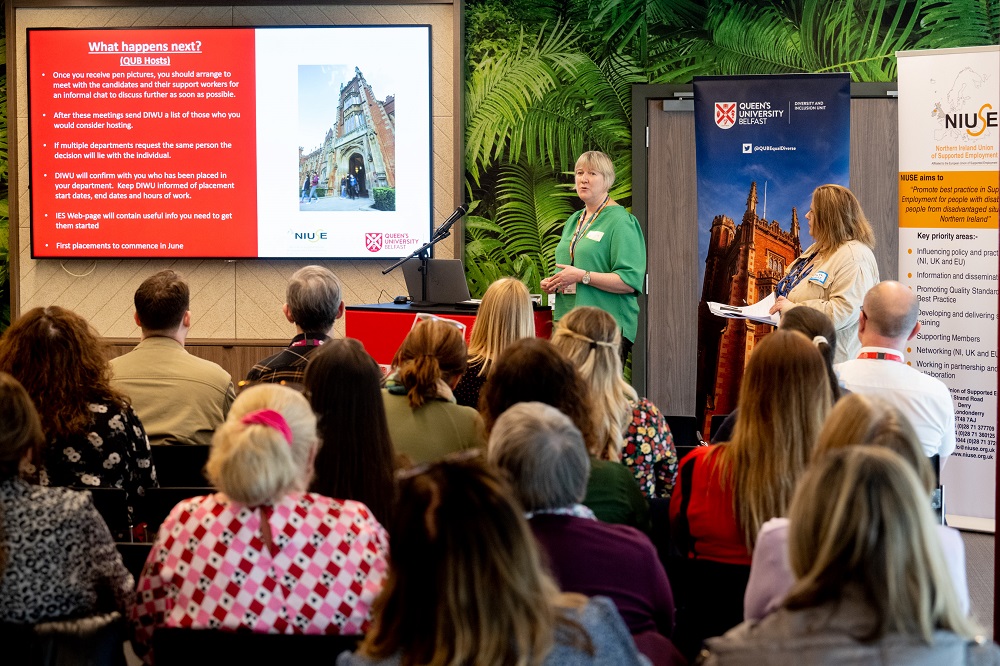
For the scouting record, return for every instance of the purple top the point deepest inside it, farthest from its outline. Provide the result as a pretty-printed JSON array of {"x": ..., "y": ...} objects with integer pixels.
[{"x": 615, "y": 561}]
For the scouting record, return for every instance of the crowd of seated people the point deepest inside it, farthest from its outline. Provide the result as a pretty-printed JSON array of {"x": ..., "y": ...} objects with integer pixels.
[{"x": 357, "y": 505}]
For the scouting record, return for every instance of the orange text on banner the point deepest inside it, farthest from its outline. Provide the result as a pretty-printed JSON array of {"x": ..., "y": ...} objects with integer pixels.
[{"x": 949, "y": 199}]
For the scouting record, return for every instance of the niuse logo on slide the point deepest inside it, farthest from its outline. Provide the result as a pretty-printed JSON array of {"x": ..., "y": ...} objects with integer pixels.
[
  {"x": 373, "y": 242},
  {"x": 725, "y": 114}
]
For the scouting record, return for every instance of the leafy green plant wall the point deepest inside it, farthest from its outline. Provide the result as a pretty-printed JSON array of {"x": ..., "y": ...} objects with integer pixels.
[
  {"x": 4, "y": 216},
  {"x": 548, "y": 79}
]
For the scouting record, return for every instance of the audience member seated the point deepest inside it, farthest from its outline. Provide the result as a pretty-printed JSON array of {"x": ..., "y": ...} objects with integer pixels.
[
  {"x": 545, "y": 458},
  {"x": 93, "y": 438},
  {"x": 627, "y": 428},
  {"x": 262, "y": 554},
  {"x": 889, "y": 321},
  {"x": 424, "y": 422},
  {"x": 466, "y": 585},
  {"x": 57, "y": 557},
  {"x": 180, "y": 398},
  {"x": 871, "y": 583},
  {"x": 355, "y": 460},
  {"x": 857, "y": 419},
  {"x": 817, "y": 327},
  {"x": 312, "y": 304},
  {"x": 533, "y": 370},
  {"x": 505, "y": 315},
  {"x": 725, "y": 492}
]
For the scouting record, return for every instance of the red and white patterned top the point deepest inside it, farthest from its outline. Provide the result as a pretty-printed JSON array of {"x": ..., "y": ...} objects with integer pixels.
[{"x": 210, "y": 568}]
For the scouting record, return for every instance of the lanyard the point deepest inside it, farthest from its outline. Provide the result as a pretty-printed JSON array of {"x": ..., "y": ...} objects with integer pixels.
[
  {"x": 884, "y": 356},
  {"x": 582, "y": 228},
  {"x": 800, "y": 270}
]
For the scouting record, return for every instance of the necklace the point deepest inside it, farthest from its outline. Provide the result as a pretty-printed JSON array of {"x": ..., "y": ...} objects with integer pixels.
[{"x": 582, "y": 225}]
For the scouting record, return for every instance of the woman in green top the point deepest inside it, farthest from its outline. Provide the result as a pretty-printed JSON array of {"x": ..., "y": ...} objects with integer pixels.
[{"x": 602, "y": 254}]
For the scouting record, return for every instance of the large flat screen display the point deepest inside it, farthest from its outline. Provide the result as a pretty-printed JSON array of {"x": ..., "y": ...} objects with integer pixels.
[{"x": 230, "y": 142}]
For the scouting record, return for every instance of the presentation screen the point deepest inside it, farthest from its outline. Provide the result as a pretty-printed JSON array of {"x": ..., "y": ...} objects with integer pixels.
[{"x": 230, "y": 142}]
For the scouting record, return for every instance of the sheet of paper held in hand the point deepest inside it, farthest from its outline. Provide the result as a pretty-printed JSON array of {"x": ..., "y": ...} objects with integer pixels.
[{"x": 756, "y": 312}]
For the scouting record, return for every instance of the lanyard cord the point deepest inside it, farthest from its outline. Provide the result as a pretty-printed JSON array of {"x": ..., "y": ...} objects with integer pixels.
[{"x": 581, "y": 228}]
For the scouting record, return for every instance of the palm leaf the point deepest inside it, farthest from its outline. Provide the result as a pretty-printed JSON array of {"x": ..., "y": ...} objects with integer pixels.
[
  {"x": 500, "y": 91},
  {"x": 751, "y": 39},
  {"x": 953, "y": 23}
]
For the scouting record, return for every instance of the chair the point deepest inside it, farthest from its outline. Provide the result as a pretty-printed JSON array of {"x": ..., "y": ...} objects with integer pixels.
[
  {"x": 89, "y": 641},
  {"x": 937, "y": 497},
  {"x": 134, "y": 556},
  {"x": 160, "y": 501},
  {"x": 207, "y": 647},
  {"x": 112, "y": 504},
  {"x": 716, "y": 423},
  {"x": 181, "y": 465},
  {"x": 686, "y": 434}
]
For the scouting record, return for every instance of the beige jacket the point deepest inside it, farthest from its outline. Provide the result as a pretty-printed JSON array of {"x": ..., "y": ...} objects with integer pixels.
[{"x": 836, "y": 286}]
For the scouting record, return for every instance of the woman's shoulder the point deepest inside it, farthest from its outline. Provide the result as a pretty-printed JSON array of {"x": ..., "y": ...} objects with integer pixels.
[
  {"x": 51, "y": 501},
  {"x": 610, "y": 638}
]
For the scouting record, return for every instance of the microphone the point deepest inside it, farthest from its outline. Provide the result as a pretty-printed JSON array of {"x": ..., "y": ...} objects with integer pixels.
[{"x": 450, "y": 222}]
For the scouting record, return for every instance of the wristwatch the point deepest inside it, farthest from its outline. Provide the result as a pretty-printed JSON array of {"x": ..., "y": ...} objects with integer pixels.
[{"x": 586, "y": 278}]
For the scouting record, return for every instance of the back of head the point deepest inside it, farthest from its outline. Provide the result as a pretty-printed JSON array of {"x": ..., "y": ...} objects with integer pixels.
[
  {"x": 22, "y": 432},
  {"x": 313, "y": 296},
  {"x": 355, "y": 459},
  {"x": 590, "y": 338},
  {"x": 505, "y": 315},
  {"x": 784, "y": 398},
  {"x": 434, "y": 350},
  {"x": 819, "y": 328},
  {"x": 161, "y": 301},
  {"x": 863, "y": 419},
  {"x": 465, "y": 583},
  {"x": 252, "y": 460},
  {"x": 533, "y": 370},
  {"x": 891, "y": 310},
  {"x": 59, "y": 359},
  {"x": 860, "y": 520},
  {"x": 543, "y": 454},
  {"x": 838, "y": 218}
]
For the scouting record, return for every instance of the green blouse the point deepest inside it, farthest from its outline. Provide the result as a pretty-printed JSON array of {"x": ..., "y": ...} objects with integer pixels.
[{"x": 612, "y": 244}]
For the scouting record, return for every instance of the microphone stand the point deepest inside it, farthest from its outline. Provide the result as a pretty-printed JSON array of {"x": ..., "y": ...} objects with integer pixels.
[{"x": 423, "y": 254}]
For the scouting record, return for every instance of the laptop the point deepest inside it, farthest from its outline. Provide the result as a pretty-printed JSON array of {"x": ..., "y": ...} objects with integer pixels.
[{"x": 445, "y": 281}]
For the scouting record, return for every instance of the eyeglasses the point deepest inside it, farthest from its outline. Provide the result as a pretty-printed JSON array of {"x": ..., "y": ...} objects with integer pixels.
[{"x": 426, "y": 316}]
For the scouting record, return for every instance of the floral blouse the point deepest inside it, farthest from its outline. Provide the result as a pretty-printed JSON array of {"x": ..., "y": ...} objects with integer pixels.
[
  {"x": 62, "y": 561},
  {"x": 112, "y": 453},
  {"x": 649, "y": 450}
]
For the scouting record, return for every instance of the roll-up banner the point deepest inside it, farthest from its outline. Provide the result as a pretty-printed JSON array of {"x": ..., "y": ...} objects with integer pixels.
[
  {"x": 764, "y": 143},
  {"x": 949, "y": 101}
]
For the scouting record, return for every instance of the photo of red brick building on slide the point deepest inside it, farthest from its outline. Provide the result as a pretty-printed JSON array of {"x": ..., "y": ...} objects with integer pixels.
[{"x": 348, "y": 126}]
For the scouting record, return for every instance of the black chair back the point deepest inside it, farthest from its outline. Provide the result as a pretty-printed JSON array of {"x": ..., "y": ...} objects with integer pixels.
[
  {"x": 716, "y": 423},
  {"x": 207, "y": 647},
  {"x": 89, "y": 641},
  {"x": 134, "y": 556},
  {"x": 112, "y": 504},
  {"x": 686, "y": 434},
  {"x": 181, "y": 465},
  {"x": 160, "y": 501}
]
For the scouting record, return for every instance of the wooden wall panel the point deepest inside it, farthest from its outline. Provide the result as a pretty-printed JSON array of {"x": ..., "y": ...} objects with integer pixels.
[{"x": 230, "y": 299}]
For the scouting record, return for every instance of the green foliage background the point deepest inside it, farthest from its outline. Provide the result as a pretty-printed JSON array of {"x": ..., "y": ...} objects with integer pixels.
[{"x": 548, "y": 79}]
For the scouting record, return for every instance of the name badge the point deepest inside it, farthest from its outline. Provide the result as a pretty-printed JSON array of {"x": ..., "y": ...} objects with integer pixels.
[
  {"x": 569, "y": 289},
  {"x": 820, "y": 278},
  {"x": 595, "y": 235}
]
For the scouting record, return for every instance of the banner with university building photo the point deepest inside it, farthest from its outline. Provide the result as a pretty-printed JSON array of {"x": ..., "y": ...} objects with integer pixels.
[
  {"x": 949, "y": 144},
  {"x": 763, "y": 144}
]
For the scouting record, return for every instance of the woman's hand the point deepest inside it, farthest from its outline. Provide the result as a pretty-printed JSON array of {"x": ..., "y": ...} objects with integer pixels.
[
  {"x": 781, "y": 304},
  {"x": 567, "y": 276}
]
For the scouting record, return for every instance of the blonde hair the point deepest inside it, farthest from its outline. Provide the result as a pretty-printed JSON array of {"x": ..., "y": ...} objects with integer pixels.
[
  {"x": 838, "y": 218},
  {"x": 860, "y": 518},
  {"x": 254, "y": 464},
  {"x": 590, "y": 338},
  {"x": 434, "y": 350},
  {"x": 505, "y": 315},
  {"x": 601, "y": 163},
  {"x": 784, "y": 398},
  {"x": 466, "y": 583},
  {"x": 862, "y": 419}
]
